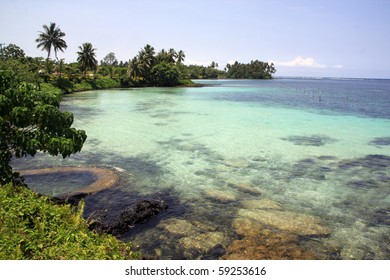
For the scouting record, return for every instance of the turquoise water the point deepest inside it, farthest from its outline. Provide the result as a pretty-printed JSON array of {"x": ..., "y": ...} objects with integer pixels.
[{"x": 316, "y": 148}]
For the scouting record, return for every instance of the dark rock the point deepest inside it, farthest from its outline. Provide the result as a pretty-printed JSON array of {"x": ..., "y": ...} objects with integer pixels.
[
  {"x": 128, "y": 218},
  {"x": 217, "y": 251},
  {"x": 73, "y": 199}
]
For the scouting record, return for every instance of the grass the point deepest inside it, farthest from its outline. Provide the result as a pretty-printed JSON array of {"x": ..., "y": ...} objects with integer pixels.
[{"x": 33, "y": 227}]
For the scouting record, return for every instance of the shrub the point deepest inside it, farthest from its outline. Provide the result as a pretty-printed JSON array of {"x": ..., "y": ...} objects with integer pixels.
[{"x": 33, "y": 227}]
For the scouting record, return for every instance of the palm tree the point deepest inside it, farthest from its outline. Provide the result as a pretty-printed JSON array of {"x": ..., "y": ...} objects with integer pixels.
[
  {"x": 135, "y": 69},
  {"x": 146, "y": 56},
  {"x": 147, "y": 60},
  {"x": 50, "y": 38},
  {"x": 171, "y": 56},
  {"x": 180, "y": 57},
  {"x": 60, "y": 66},
  {"x": 86, "y": 58}
]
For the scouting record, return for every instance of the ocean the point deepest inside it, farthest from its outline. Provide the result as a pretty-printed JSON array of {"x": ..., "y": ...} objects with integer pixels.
[{"x": 290, "y": 167}]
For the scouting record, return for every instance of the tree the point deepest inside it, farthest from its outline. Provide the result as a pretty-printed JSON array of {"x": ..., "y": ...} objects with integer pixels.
[
  {"x": 30, "y": 121},
  {"x": 87, "y": 58},
  {"x": 165, "y": 74},
  {"x": 135, "y": 69},
  {"x": 13, "y": 51},
  {"x": 172, "y": 55},
  {"x": 180, "y": 57},
  {"x": 110, "y": 61},
  {"x": 147, "y": 60},
  {"x": 50, "y": 38}
]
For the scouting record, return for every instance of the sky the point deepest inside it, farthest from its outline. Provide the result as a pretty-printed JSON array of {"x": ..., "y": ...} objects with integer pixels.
[{"x": 332, "y": 38}]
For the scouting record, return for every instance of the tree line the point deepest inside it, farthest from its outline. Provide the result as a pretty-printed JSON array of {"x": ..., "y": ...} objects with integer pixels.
[{"x": 148, "y": 68}]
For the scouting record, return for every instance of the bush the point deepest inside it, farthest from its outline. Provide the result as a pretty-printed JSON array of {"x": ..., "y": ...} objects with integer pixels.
[
  {"x": 33, "y": 227},
  {"x": 103, "y": 83}
]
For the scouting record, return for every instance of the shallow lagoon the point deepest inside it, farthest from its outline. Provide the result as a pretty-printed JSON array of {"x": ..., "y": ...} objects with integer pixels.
[{"x": 294, "y": 166}]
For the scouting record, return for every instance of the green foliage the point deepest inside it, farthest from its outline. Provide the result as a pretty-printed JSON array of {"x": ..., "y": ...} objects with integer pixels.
[
  {"x": 151, "y": 69},
  {"x": 51, "y": 37},
  {"x": 102, "y": 83},
  {"x": 202, "y": 72},
  {"x": 30, "y": 121},
  {"x": 165, "y": 74},
  {"x": 12, "y": 51},
  {"x": 87, "y": 58},
  {"x": 28, "y": 69},
  {"x": 33, "y": 227},
  {"x": 68, "y": 86},
  {"x": 253, "y": 70}
]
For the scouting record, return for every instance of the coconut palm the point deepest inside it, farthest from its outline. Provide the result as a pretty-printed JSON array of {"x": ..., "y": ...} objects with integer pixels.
[
  {"x": 172, "y": 55},
  {"x": 51, "y": 38},
  {"x": 146, "y": 56},
  {"x": 135, "y": 69},
  {"x": 180, "y": 57},
  {"x": 87, "y": 58}
]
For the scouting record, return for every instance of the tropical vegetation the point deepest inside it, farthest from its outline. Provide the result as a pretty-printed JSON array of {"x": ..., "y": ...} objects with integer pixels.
[
  {"x": 51, "y": 38},
  {"x": 33, "y": 226},
  {"x": 30, "y": 121}
]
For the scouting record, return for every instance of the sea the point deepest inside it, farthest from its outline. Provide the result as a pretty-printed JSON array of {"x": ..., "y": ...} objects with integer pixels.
[{"x": 288, "y": 168}]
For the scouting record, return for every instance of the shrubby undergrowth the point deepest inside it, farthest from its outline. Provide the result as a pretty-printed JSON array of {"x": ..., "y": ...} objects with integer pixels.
[{"x": 34, "y": 227}]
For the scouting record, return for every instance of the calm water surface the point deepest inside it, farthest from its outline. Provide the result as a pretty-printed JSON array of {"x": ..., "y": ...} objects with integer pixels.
[{"x": 286, "y": 155}]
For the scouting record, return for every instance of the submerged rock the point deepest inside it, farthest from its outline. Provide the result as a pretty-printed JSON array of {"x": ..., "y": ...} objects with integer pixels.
[
  {"x": 247, "y": 227},
  {"x": 204, "y": 242},
  {"x": 237, "y": 163},
  {"x": 221, "y": 196},
  {"x": 296, "y": 223},
  {"x": 267, "y": 245},
  {"x": 178, "y": 226},
  {"x": 129, "y": 217},
  {"x": 197, "y": 240},
  {"x": 260, "y": 242},
  {"x": 245, "y": 187},
  {"x": 259, "y": 159},
  {"x": 261, "y": 204}
]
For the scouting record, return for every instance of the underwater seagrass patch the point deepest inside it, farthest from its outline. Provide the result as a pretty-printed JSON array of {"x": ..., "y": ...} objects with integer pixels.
[
  {"x": 312, "y": 140},
  {"x": 380, "y": 141}
]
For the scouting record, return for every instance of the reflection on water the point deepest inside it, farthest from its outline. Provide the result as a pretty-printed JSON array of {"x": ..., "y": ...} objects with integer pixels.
[{"x": 246, "y": 164}]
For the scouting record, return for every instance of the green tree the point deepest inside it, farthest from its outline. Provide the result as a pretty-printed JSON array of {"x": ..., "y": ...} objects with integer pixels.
[
  {"x": 87, "y": 58},
  {"x": 165, "y": 74},
  {"x": 147, "y": 60},
  {"x": 180, "y": 57},
  {"x": 172, "y": 55},
  {"x": 13, "y": 51},
  {"x": 135, "y": 69},
  {"x": 110, "y": 61},
  {"x": 30, "y": 121},
  {"x": 50, "y": 38}
]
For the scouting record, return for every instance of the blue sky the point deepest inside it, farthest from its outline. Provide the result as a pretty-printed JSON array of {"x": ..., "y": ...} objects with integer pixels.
[{"x": 333, "y": 38}]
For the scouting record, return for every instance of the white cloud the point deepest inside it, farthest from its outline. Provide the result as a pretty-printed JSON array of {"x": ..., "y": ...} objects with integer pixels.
[
  {"x": 300, "y": 61},
  {"x": 338, "y": 66}
]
